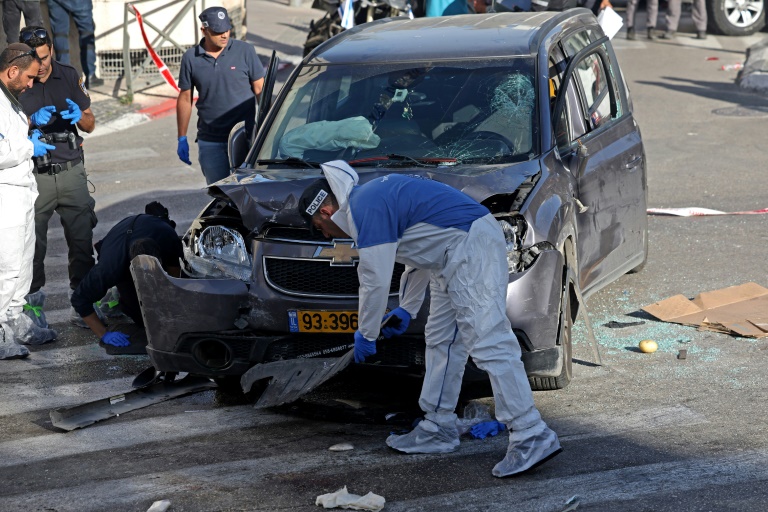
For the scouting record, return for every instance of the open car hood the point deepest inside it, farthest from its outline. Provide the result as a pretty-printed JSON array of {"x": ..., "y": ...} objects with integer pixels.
[{"x": 272, "y": 197}]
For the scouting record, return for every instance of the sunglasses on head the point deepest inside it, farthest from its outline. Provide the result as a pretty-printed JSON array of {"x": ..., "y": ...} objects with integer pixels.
[
  {"x": 39, "y": 33},
  {"x": 30, "y": 53}
]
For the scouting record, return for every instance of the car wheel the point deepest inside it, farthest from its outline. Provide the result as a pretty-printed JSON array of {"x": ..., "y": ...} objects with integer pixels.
[
  {"x": 736, "y": 17},
  {"x": 566, "y": 330},
  {"x": 230, "y": 386}
]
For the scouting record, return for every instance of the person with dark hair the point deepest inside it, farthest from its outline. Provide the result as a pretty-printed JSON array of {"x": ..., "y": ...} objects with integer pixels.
[
  {"x": 150, "y": 233},
  {"x": 452, "y": 244},
  {"x": 18, "y": 68},
  {"x": 81, "y": 11},
  {"x": 228, "y": 76},
  {"x": 58, "y": 105},
  {"x": 12, "y": 10}
]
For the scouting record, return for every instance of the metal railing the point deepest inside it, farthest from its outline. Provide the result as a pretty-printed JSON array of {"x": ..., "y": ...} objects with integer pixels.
[{"x": 163, "y": 35}]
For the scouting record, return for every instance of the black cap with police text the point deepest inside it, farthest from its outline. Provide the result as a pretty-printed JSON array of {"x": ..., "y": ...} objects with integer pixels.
[
  {"x": 215, "y": 19},
  {"x": 313, "y": 198}
]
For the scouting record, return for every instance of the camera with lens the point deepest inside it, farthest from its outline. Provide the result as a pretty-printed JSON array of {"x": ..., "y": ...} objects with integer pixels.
[{"x": 42, "y": 163}]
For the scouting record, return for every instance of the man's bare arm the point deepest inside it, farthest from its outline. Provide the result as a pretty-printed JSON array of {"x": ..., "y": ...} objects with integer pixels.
[
  {"x": 88, "y": 122},
  {"x": 183, "y": 112}
]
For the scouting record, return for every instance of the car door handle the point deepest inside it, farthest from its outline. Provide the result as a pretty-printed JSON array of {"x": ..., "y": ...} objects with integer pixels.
[{"x": 634, "y": 162}]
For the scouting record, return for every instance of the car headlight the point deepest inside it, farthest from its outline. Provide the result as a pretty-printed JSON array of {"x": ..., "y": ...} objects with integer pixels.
[
  {"x": 220, "y": 252},
  {"x": 514, "y": 234}
]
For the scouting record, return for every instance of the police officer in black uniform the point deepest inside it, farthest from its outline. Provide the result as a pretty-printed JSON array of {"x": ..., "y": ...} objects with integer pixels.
[{"x": 58, "y": 105}]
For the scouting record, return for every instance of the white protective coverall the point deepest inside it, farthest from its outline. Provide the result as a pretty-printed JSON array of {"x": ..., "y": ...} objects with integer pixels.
[
  {"x": 18, "y": 191},
  {"x": 461, "y": 254}
]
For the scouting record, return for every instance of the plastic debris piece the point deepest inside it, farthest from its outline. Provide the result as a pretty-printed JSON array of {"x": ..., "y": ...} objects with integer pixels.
[
  {"x": 159, "y": 506},
  {"x": 343, "y": 499},
  {"x": 619, "y": 325},
  {"x": 713, "y": 58},
  {"x": 683, "y": 354},
  {"x": 341, "y": 447},
  {"x": 732, "y": 67},
  {"x": 572, "y": 504},
  {"x": 474, "y": 413}
]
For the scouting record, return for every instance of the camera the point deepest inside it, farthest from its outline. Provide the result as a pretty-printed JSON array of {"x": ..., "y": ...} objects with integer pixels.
[{"x": 42, "y": 163}]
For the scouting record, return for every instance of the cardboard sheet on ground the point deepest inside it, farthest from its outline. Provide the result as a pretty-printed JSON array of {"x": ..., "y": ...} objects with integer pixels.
[{"x": 737, "y": 310}]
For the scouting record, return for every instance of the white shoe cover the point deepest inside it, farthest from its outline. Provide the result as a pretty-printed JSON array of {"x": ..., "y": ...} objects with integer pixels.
[
  {"x": 77, "y": 320},
  {"x": 9, "y": 349},
  {"x": 28, "y": 333},
  {"x": 34, "y": 308},
  {"x": 427, "y": 437},
  {"x": 527, "y": 449}
]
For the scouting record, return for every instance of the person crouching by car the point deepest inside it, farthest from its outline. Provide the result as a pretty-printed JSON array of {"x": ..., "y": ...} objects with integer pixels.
[{"x": 151, "y": 233}]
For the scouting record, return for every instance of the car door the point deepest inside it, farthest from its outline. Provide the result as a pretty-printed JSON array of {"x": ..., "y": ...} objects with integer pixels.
[{"x": 610, "y": 172}]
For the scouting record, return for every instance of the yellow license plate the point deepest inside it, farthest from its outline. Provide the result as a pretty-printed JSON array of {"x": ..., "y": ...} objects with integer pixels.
[{"x": 307, "y": 320}]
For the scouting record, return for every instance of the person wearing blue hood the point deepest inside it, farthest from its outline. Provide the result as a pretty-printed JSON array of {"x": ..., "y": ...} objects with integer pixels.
[{"x": 443, "y": 237}]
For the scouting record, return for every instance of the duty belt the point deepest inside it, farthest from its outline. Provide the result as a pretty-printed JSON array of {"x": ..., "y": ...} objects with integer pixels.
[{"x": 59, "y": 167}]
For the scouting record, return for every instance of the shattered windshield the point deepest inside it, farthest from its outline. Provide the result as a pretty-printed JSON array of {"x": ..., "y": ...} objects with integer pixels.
[{"x": 478, "y": 112}]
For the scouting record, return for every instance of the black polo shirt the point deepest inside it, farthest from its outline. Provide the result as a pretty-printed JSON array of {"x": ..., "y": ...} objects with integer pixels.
[
  {"x": 63, "y": 82},
  {"x": 224, "y": 87}
]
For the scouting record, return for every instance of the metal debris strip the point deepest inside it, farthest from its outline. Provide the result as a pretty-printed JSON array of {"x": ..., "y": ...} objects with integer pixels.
[
  {"x": 79, "y": 416},
  {"x": 514, "y": 98}
]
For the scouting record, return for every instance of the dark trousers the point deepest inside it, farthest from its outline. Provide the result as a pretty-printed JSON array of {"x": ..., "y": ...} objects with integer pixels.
[
  {"x": 82, "y": 12},
  {"x": 129, "y": 301},
  {"x": 12, "y": 10},
  {"x": 67, "y": 194}
]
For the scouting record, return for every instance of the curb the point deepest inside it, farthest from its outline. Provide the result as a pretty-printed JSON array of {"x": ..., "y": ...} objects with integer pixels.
[{"x": 136, "y": 118}]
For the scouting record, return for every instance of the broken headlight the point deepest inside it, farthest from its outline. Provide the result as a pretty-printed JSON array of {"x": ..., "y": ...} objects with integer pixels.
[
  {"x": 514, "y": 234},
  {"x": 219, "y": 252}
]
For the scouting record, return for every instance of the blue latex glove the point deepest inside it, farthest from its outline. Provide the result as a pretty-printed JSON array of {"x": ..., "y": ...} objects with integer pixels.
[
  {"x": 393, "y": 327},
  {"x": 73, "y": 114},
  {"x": 183, "y": 150},
  {"x": 39, "y": 147},
  {"x": 116, "y": 339},
  {"x": 43, "y": 116},
  {"x": 363, "y": 347},
  {"x": 486, "y": 428}
]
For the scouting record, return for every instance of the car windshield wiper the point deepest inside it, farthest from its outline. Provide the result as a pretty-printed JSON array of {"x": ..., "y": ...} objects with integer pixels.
[
  {"x": 292, "y": 161},
  {"x": 403, "y": 159}
]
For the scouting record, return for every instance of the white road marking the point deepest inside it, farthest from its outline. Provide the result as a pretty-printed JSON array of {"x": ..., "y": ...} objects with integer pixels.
[
  {"x": 56, "y": 358},
  {"x": 173, "y": 428},
  {"x": 21, "y": 398}
]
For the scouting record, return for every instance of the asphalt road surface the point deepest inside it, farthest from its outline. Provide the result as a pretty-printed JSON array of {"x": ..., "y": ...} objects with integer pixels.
[{"x": 645, "y": 432}]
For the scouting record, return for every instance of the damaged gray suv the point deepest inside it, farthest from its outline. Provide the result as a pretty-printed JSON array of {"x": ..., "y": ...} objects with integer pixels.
[{"x": 528, "y": 113}]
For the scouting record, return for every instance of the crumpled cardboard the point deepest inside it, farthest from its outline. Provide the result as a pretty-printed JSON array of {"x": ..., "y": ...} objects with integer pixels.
[
  {"x": 737, "y": 310},
  {"x": 343, "y": 499}
]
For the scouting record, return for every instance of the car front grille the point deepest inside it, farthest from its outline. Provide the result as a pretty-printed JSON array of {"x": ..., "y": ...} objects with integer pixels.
[{"x": 317, "y": 278}]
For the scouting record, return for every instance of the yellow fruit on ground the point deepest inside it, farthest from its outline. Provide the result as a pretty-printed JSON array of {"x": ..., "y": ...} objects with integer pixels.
[{"x": 648, "y": 346}]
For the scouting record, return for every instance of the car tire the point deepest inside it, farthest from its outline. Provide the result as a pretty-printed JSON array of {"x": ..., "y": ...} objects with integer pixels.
[
  {"x": 230, "y": 385},
  {"x": 718, "y": 12},
  {"x": 566, "y": 336}
]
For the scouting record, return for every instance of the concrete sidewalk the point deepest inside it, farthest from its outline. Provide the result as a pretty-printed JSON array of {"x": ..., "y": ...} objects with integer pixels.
[{"x": 272, "y": 26}]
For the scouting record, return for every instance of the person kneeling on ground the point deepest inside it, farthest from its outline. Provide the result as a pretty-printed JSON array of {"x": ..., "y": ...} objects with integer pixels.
[{"x": 152, "y": 233}]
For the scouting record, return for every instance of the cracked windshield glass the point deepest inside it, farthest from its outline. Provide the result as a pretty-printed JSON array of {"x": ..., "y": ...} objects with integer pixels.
[{"x": 385, "y": 115}]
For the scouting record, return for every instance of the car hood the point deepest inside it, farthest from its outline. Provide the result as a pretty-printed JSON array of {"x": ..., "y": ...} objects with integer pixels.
[{"x": 272, "y": 196}]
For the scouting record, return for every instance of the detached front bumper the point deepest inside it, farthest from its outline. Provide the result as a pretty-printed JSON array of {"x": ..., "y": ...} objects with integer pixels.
[{"x": 175, "y": 309}]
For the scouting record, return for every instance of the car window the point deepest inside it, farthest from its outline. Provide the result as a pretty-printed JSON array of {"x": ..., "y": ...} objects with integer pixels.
[
  {"x": 594, "y": 85},
  {"x": 474, "y": 112},
  {"x": 571, "y": 125}
]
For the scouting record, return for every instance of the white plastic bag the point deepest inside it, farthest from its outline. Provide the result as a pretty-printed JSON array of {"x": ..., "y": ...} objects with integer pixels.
[{"x": 610, "y": 22}]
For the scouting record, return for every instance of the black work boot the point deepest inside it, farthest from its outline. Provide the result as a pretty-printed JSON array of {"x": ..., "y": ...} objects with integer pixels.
[
  {"x": 701, "y": 34},
  {"x": 651, "y": 33},
  {"x": 631, "y": 33}
]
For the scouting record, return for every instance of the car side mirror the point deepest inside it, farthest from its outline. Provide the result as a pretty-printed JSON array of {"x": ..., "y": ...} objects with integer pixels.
[{"x": 237, "y": 145}]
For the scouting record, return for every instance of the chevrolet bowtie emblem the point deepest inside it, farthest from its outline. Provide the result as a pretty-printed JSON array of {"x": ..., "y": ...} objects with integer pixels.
[{"x": 342, "y": 253}]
